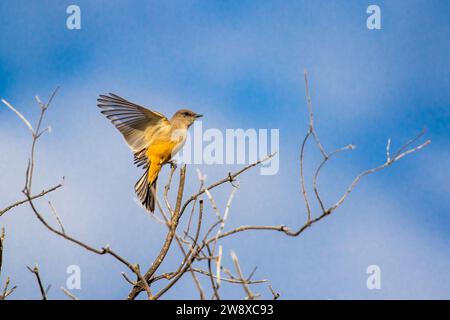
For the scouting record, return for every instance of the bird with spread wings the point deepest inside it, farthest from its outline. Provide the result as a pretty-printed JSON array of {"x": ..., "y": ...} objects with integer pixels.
[{"x": 152, "y": 137}]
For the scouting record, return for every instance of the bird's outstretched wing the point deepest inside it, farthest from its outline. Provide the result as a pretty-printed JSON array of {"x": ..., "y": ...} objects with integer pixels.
[{"x": 130, "y": 119}]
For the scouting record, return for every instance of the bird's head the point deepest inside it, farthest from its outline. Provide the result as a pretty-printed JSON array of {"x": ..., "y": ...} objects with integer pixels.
[{"x": 185, "y": 116}]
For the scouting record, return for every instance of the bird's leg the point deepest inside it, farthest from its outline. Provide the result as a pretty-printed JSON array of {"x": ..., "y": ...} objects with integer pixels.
[{"x": 173, "y": 164}]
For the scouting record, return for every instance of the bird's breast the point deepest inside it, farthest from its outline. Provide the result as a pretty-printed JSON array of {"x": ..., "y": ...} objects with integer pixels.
[{"x": 164, "y": 144}]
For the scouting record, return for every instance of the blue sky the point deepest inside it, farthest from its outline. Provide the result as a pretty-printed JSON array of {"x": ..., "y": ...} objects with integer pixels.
[{"x": 240, "y": 63}]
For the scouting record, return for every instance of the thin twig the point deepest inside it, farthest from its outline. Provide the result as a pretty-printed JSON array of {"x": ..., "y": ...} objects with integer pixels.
[
  {"x": 2, "y": 240},
  {"x": 69, "y": 294},
  {"x": 21, "y": 117},
  {"x": 410, "y": 142},
  {"x": 6, "y": 292},
  {"x": 311, "y": 117},
  {"x": 302, "y": 176},
  {"x": 36, "y": 196},
  {"x": 202, "y": 179},
  {"x": 218, "y": 265},
  {"x": 245, "y": 286},
  {"x": 225, "y": 216},
  {"x": 35, "y": 271},
  {"x": 213, "y": 204},
  {"x": 373, "y": 170},
  {"x": 56, "y": 217},
  {"x": 173, "y": 167},
  {"x": 230, "y": 279},
  {"x": 388, "y": 153},
  {"x": 124, "y": 275},
  {"x": 275, "y": 294},
  {"x": 319, "y": 168},
  {"x": 214, "y": 284}
]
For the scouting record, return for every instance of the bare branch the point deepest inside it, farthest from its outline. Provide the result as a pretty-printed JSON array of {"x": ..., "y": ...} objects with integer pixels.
[
  {"x": 214, "y": 284},
  {"x": 181, "y": 240},
  {"x": 409, "y": 151},
  {"x": 173, "y": 167},
  {"x": 311, "y": 131},
  {"x": 388, "y": 152},
  {"x": 225, "y": 216},
  {"x": 230, "y": 279},
  {"x": 410, "y": 142},
  {"x": 218, "y": 265},
  {"x": 7, "y": 292},
  {"x": 187, "y": 261},
  {"x": 21, "y": 117},
  {"x": 311, "y": 117},
  {"x": 2, "y": 240},
  {"x": 56, "y": 217},
  {"x": 302, "y": 176},
  {"x": 170, "y": 235},
  {"x": 202, "y": 179},
  {"x": 36, "y": 196},
  {"x": 142, "y": 280},
  {"x": 322, "y": 164},
  {"x": 69, "y": 294},
  {"x": 389, "y": 162},
  {"x": 133, "y": 283},
  {"x": 275, "y": 294},
  {"x": 213, "y": 204},
  {"x": 245, "y": 286},
  {"x": 35, "y": 271}
]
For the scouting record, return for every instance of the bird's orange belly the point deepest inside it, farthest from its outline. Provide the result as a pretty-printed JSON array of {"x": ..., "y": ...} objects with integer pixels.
[{"x": 161, "y": 151}]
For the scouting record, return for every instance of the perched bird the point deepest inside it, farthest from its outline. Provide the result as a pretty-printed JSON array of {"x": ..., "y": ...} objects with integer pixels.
[{"x": 153, "y": 138}]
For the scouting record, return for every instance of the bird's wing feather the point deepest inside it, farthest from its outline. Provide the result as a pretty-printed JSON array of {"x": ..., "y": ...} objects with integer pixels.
[{"x": 130, "y": 119}]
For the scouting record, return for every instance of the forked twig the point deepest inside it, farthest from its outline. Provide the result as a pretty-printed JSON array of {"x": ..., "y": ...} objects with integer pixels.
[{"x": 35, "y": 271}]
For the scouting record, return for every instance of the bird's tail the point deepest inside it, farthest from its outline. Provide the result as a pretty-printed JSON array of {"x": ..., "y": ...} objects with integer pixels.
[{"x": 146, "y": 192}]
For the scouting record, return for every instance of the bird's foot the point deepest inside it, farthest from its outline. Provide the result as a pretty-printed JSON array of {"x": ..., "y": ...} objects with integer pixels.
[{"x": 173, "y": 164}]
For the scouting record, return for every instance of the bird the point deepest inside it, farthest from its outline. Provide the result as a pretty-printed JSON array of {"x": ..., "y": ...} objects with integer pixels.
[{"x": 152, "y": 138}]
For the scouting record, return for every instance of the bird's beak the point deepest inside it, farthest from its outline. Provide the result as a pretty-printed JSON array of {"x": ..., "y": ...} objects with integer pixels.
[{"x": 198, "y": 116}]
